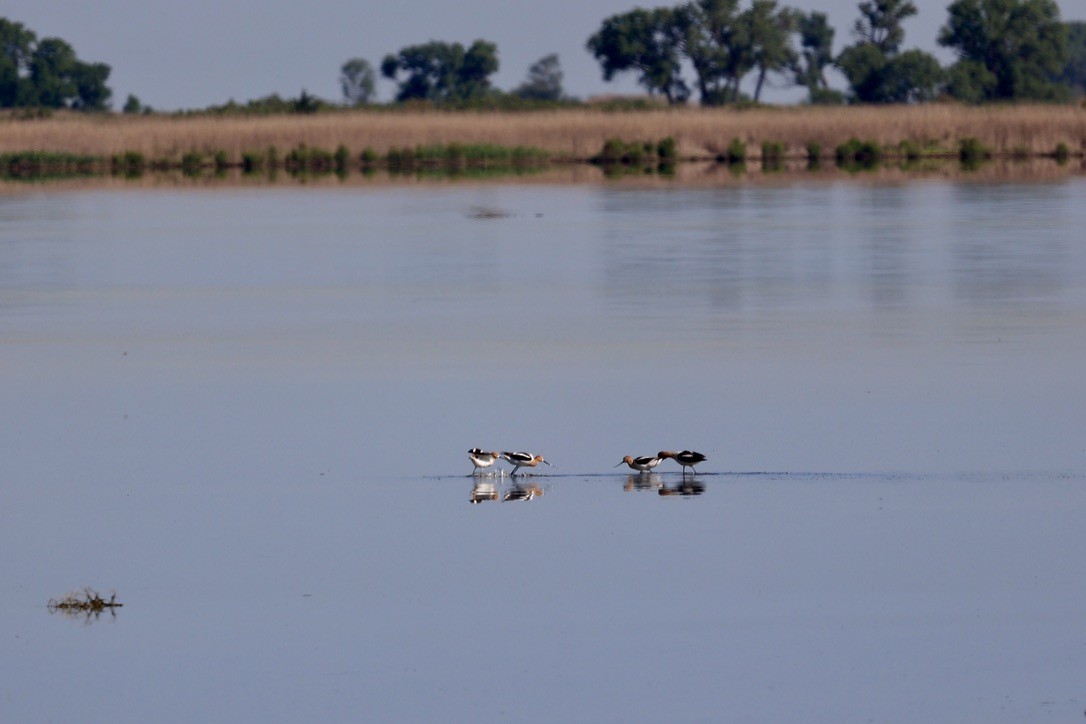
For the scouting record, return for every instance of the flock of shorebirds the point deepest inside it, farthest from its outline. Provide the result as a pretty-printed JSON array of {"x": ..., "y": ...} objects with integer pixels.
[{"x": 483, "y": 459}]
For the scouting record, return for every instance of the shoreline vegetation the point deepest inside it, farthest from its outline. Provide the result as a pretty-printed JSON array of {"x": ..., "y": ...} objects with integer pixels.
[{"x": 496, "y": 142}]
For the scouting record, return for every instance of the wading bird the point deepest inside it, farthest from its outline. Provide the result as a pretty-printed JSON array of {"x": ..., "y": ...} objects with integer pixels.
[
  {"x": 481, "y": 459},
  {"x": 686, "y": 458},
  {"x": 642, "y": 464},
  {"x": 523, "y": 460}
]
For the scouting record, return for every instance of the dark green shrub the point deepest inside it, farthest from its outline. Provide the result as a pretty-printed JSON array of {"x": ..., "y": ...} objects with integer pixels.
[
  {"x": 129, "y": 164},
  {"x": 341, "y": 159},
  {"x": 252, "y": 161},
  {"x": 192, "y": 163},
  {"x": 667, "y": 151},
  {"x": 221, "y": 161},
  {"x": 773, "y": 151},
  {"x": 1062, "y": 152},
  {"x": 972, "y": 151},
  {"x": 911, "y": 149},
  {"x": 855, "y": 153},
  {"x": 737, "y": 152}
]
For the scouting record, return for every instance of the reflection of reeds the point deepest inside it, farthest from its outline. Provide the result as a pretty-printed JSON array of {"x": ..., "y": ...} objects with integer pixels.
[
  {"x": 1017, "y": 169},
  {"x": 565, "y": 134}
]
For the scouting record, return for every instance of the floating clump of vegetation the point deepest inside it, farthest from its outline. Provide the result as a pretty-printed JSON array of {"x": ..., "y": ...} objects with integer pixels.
[{"x": 88, "y": 603}]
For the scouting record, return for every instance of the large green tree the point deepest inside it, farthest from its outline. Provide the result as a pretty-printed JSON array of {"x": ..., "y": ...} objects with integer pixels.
[
  {"x": 1074, "y": 72},
  {"x": 708, "y": 30},
  {"x": 816, "y": 54},
  {"x": 876, "y": 69},
  {"x": 880, "y": 23},
  {"x": 767, "y": 32},
  {"x": 646, "y": 42},
  {"x": 16, "y": 47},
  {"x": 1007, "y": 49},
  {"x": 442, "y": 72},
  {"x": 47, "y": 72}
]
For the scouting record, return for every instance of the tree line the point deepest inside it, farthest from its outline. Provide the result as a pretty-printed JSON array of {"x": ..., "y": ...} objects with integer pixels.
[{"x": 1006, "y": 50}]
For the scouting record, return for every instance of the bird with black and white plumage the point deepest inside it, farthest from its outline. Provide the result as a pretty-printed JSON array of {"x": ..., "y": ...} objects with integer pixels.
[
  {"x": 686, "y": 458},
  {"x": 482, "y": 459},
  {"x": 523, "y": 460},
  {"x": 642, "y": 464}
]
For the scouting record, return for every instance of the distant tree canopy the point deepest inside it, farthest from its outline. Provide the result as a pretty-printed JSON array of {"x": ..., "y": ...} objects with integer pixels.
[
  {"x": 723, "y": 43},
  {"x": 440, "y": 72},
  {"x": 1007, "y": 49},
  {"x": 646, "y": 42},
  {"x": 876, "y": 69},
  {"x": 358, "y": 81},
  {"x": 1074, "y": 73},
  {"x": 544, "y": 81},
  {"x": 47, "y": 72},
  {"x": 816, "y": 54}
]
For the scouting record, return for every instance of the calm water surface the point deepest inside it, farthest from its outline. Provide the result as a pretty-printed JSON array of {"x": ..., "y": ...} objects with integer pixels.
[{"x": 247, "y": 411}]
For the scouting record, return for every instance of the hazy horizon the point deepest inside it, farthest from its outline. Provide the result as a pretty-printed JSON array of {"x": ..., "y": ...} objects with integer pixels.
[{"x": 204, "y": 53}]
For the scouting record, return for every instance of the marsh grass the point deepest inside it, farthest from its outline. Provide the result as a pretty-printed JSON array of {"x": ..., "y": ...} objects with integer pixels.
[{"x": 565, "y": 134}]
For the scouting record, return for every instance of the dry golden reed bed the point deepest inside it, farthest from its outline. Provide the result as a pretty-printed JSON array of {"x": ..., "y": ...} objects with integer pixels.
[{"x": 567, "y": 134}]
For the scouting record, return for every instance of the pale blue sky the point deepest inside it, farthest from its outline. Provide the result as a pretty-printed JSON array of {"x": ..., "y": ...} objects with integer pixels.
[{"x": 185, "y": 55}]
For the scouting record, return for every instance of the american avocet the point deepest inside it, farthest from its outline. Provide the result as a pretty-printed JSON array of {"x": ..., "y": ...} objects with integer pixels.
[
  {"x": 686, "y": 458},
  {"x": 481, "y": 459},
  {"x": 642, "y": 464},
  {"x": 523, "y": 460}
]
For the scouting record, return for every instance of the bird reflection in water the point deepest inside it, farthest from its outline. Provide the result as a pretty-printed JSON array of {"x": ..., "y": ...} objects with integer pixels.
[
  {"x": 687, "y": 487},
  {"x": 644, "y": 481},
  {"x": 484, "y": 490},
  {"x": 522, "y": 492}
]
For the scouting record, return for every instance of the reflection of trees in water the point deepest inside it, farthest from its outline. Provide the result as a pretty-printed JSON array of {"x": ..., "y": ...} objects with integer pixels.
[
  {"x": 758, "y": 259},
  {"x": 1013, "y": 247}
]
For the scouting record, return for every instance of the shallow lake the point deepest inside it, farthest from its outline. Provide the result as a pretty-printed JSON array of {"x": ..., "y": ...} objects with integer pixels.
[{"x": 248, "y": 412}]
